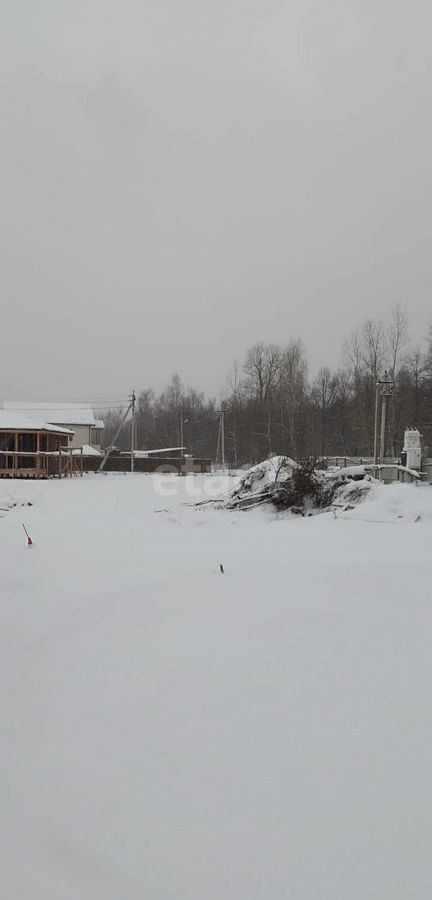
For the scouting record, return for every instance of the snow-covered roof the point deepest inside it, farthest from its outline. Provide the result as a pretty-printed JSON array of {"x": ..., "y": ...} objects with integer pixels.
[
  {"x": 14, "y": 421},
  {"x": 99, "y": 423},
  {"x": 87, "y": 450},
  {"x": 55, "y": 412}
]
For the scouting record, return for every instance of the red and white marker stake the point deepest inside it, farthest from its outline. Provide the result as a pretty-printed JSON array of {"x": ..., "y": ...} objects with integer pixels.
[{"x": 29, "y": 540}]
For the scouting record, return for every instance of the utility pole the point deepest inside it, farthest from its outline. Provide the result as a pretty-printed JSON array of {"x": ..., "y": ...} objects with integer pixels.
[
  {"x": 221, "y": 437},
  {"x": 133, "y": 399},
  {"x": 182, "y": 427},
  {"x": 377, "y": 390},
  {"x": 387, "y": 392},
  {"x": 112, "y": 444},
  {"x": 385, "y": 387},
  {"x": 383, "y": 425}
]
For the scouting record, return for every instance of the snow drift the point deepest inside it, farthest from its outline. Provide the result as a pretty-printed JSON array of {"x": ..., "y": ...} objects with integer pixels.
[{"x": 171, "y": 732}]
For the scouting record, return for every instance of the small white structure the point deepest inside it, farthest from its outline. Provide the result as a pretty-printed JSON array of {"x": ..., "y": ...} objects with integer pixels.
[
  {"x": 86, "y": 450},
  {"x": 79, "y": 417},
  {"x": 412, "y": 449},
  {"x": 144, "y": 454}
]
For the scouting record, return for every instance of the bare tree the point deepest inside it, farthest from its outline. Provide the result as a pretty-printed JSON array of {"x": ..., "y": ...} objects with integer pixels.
[
  {"x": 373, "y": 349},
  {"x": 397, "y": 339},
  {"x": 323, "y": 392},
  {"x": 397, "y": 342},
  {"x": 232, "y": 405},
  {"x": 292, "y": 394},
  {"x": 262, "y": 375}
]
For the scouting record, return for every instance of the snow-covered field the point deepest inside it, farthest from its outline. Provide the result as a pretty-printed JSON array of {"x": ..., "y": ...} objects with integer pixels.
[{"x": 169, "y": 732}]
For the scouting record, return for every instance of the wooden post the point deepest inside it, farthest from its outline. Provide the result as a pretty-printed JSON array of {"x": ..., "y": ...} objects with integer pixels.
[
  {"x": 38, "y": 458},
  {"x": 15, "y": 459},
  {"x": 60, "y": 463}
]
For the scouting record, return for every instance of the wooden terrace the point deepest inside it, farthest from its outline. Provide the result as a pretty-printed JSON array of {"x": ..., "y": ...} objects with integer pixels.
[{"x": 33, "y": 450}]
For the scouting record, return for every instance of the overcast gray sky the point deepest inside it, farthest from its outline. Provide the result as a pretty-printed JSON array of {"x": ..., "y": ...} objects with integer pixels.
[{"x": 182, "y": 178}]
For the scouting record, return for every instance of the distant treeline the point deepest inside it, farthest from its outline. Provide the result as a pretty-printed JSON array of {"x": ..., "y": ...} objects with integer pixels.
[{"x": 273, "y": 406}]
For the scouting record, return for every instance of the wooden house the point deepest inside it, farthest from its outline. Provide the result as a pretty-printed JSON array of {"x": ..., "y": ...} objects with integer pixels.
[
  {"x": 31, "y": 448},
  {"x": 78, "y": 417}
]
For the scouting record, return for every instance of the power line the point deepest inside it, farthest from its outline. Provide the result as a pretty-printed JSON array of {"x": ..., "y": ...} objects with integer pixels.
[{"x": 65, "y": 406}]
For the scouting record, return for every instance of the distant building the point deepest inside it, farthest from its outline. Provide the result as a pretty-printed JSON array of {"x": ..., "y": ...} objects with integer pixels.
[{"x": 78, "y": 417}]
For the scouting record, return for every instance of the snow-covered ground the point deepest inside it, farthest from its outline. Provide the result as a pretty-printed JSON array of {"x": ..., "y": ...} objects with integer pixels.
[{"x": 172, "y": 733}]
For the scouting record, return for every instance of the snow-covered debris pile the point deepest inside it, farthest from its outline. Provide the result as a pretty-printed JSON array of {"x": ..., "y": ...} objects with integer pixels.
[
  {"x": 259, "y": 482},
  {"x": 349, "y": 492},
  {"x": 312, "y": 489},
  {"x": 298, "y": 487}
]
